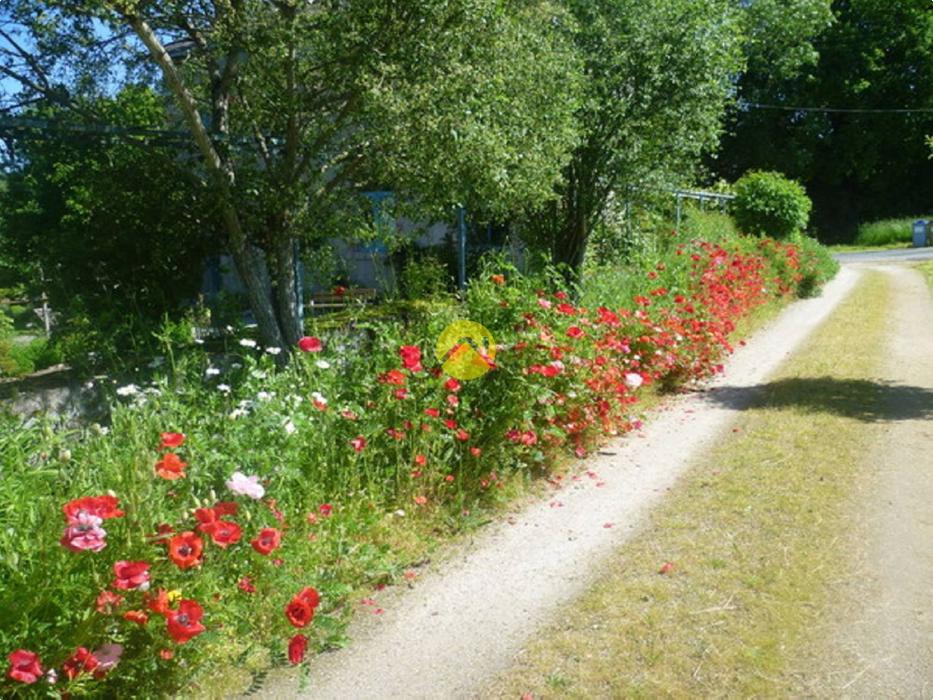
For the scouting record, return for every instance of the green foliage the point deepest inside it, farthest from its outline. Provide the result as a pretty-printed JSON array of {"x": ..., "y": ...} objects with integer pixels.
[
  {"x": 709, "y": 225},
  {"x": 768, "y": 204},
  {"x": 817, "y": 265},
  {"x": 118, "y": 229},
  {"x": 293, "y": 429},
  {"x": 444, "y": 102},
  {"x": 857, "y": 167},
  {"x": 888, "y": 231},
  {"x": 424, "y": 276},
  {"x": 658, "y": 77}
]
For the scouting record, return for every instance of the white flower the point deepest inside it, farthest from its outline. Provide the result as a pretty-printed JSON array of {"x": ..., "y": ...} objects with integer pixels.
[
  {"x": 237, "y": 413},
  {"x": 199, "y": 341},
  {"x": 211, "y": 372},
  {"x": 323, "y": 364},
  {"x": 290, "y": 428},
  {"x": 264, "y": 395},
  {"x": 128, "y": 390},
  {"x": 273, "y": 351},
  {"x": 244, "y": 485},
  {"x": 400, "y": 513},
  {"x": 223, "y": 388},
  {"x": 633, "y": 380},
  {"x": 247, "y": 343},
  {"x": 258, "y": 374}
]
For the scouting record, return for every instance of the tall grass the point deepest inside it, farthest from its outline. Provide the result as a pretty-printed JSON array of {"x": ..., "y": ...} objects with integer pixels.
[{"x": 888, "y": 231}]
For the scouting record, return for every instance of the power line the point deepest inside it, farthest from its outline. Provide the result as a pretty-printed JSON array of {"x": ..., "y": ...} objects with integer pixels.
[{"x": 844, "y": 110}]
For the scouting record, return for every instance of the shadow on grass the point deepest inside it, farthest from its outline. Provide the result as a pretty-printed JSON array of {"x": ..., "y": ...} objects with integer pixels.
[{"x": 862, "y": 399}]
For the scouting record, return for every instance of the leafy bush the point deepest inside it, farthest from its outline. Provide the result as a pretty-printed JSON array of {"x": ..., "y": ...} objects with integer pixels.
[
  {"x": 424, "y": 276},
  {"x": 817, "y": 266},
  {"x": 709, "y": 225},
  {"x": 768, "y": 204},
  {"x": 364, "y": 450},
  {"x": 888, "y": 231}
]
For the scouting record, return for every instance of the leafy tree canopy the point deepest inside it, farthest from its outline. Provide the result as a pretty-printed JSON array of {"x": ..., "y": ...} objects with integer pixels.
[{"x": 857, "y": 166}]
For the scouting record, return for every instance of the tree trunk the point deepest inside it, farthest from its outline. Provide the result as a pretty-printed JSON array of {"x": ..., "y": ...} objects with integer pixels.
[
  {"x": 286, "y": 290},
  {"x": 569, "y": 244},
  {"x": 247, "y": 261}
]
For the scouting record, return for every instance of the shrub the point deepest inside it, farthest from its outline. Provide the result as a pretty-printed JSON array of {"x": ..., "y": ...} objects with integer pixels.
[{"x": 768, "y": 204}]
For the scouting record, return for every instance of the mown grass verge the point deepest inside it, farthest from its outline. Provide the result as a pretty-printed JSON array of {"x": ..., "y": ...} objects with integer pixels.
[
  {"x": 927, "y": 270},
  {"x": 750, "y": 533}
]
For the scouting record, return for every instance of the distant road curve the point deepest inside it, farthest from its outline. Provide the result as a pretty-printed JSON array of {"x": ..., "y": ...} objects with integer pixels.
[{"x": 882, "y": 256}]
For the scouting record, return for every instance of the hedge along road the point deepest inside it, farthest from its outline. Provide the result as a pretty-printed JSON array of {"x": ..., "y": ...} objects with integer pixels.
[{"x": 465, "y": 620}]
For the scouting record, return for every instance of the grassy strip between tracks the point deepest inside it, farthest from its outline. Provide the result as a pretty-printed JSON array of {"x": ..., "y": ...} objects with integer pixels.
[{"x": 751, "y": 533}]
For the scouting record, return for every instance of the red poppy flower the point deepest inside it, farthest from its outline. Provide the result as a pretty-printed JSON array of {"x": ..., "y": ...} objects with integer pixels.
[
  {"x": 462, "y": 435},
  {"x": 411, "y": 357},
  {"x": 138, "y": 616},
  {"x": 130, "y": 574},
  {"x": 476, "y": 451},
  {"x": 185, "y": 550},
  {"x": 246, "y": 585},
  {"x": 299, "y": 613},
  {"x": 310, "y": 344},
  {"x": 309, "y": 595},
  {"x": 497, "y": 279},
  {"x": 171, "y": 467},
  {"x": 452, "y": 385},
  {"x": 575, "y": 332},
  {"x": 393, "y": 377},
  {"x": 107, "y": 602},
  {"x": 185, "y": 623},
  {"x": 325, "y": 509},
  {"x": 172, "y": 440},
  {"x": 296, "y": 648},
  {"x": 433, "y": 412},
  {"x": 223, "y": 532},
  {"x": 157, "y": 603},
  {"x": 102, "y": 507},
  {"x": 25, "y": 666},
  {"x": 268, "y": 540},
  {"x": 300, "y": 610},
  {"x": 359, "y": 442},
  {"x": 421, "y": 460},
  {"x": 79, "y": 662}
]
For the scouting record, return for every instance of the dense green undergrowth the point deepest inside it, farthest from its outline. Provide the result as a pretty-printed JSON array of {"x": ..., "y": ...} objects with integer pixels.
[{"x": 366, "y": 454}]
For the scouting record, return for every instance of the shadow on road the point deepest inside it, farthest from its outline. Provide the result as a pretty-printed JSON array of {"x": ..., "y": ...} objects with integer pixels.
[{"x": 865, "y": 400}]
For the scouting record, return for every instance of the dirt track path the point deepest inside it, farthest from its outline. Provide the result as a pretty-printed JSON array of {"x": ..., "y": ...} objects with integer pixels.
[
  {"x": 878, "y": 642},
  {"x": 463, "y": 621}
]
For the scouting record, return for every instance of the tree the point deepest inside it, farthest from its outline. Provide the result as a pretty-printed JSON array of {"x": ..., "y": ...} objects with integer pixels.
[
  {"x": 865, "y": 161},
  {"x": 659, "y": 74},
  {"x": 113, "y": 221},
  {"x": 294, "y": 107}
]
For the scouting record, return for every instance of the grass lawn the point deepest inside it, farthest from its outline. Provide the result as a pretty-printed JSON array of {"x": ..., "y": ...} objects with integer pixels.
[
  {"x": 856, "y": 248},
  {"x": 927, "y": 270},
  {"x": 751, "y": 533}
]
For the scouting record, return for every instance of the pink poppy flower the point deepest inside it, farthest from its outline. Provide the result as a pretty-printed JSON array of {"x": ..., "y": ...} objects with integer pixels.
[{"x": 84, "y": 533}]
